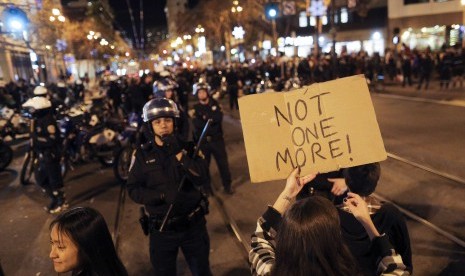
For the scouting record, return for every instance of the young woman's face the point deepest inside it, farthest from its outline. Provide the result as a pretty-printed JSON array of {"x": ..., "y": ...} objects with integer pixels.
[{"x": 64, "y": 252}]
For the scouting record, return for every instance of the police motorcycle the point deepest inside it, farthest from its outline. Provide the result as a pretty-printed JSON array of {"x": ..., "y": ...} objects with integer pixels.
[
  {"x": 6, "y": 154},
  {"x": 93, "y": 134},
  {"x": 31, "y": 158},
  {"x": 129, "y": 138},
  {"x": 12, "y": 124}
]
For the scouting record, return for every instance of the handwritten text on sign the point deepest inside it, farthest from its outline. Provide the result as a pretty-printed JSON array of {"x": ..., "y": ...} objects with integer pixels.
[
  {"x": 319, "y": 132},
  {"x": 321, "y": 128}
]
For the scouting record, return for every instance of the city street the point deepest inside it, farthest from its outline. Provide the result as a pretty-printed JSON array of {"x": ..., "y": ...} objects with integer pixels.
[{"x": 418, "y": 135}]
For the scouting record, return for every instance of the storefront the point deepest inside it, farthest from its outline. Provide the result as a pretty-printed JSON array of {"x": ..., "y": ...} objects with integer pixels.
[
  {"x": 371, "y": 41},
  {"x": 433, "y": 37}
]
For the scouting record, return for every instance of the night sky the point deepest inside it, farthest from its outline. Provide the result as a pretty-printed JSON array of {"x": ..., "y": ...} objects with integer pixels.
[{"x": 154, "y": 15}]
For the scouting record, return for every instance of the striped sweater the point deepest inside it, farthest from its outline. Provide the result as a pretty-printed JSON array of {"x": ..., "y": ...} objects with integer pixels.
[{"x": 262, "y": 254}]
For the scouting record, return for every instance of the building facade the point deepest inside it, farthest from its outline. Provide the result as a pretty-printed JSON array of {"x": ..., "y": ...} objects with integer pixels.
[
  {"x": 17, "y": 59},
  {"x": 426, "y": 23},
  {"x": 172, "y": 9},
  {"x": 342, "y": 27}
]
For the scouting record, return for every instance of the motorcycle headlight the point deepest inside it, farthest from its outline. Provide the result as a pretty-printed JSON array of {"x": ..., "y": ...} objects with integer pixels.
[{"x": 133, "y": 124}]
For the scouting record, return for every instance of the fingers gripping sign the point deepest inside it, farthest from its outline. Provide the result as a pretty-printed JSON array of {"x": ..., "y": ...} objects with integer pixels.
[{"x": 295, "y": 182}]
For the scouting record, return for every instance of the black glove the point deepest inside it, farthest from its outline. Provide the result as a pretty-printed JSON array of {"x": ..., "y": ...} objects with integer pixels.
[
  {"x": 170, "y": 196},
  {"x": 171, "y": 144}
]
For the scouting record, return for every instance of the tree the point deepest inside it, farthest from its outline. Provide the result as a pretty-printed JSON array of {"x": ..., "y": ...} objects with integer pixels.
[{"x": 218, "y": 20}]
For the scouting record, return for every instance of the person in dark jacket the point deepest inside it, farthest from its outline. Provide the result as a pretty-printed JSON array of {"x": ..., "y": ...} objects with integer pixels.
[
  {"x": 387, "y": 218},
  {"x": 406, "y": 70},
  {"x": 425, "y": 66},
  {"x": 157, "y": 169},
  {"x": 207, "y": 108},
  {"x": 81, "y": 242},
  {"x": 46, "y": 143},
  {"x": 233, "y": 87}
]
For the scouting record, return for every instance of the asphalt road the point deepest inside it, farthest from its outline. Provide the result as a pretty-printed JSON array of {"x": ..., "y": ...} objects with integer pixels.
[{"x": 426, "y": 133}]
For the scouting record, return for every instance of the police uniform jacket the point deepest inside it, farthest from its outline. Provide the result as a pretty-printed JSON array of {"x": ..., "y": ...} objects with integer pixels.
[
  {"x": 203, "y": 112},
  {"x": 155, "y": 175},
  {"x": 46, "y": 135}
]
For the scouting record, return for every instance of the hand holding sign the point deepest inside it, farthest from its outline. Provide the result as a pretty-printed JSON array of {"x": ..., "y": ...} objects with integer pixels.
[{"x": 295, "y": 183}]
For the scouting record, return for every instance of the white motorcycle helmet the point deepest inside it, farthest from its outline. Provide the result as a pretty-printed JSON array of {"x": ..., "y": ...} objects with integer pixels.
[
  {"x": 37, "y": 103},
  {"x": 40, "y": 91}
]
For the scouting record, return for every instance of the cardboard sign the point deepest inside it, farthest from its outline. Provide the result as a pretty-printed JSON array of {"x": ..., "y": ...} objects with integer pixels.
[{"x": 321, "y": 128}]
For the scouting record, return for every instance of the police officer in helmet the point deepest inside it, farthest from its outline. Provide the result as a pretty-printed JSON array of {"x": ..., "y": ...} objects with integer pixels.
[
  {"x": 46, "y": 143},
  {"x": 207, "y": 108},
  {"x": 165, "y": 88},
  {"x": 154, "y": 176}
]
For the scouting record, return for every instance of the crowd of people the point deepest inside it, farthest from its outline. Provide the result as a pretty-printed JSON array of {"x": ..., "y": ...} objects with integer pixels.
[{"x": 326, "y": 224}]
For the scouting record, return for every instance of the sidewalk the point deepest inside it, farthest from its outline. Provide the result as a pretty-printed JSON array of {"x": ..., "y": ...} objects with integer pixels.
[{"x": 452, "y": 95}]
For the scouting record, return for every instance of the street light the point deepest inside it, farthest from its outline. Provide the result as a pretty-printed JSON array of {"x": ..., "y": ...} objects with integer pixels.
[
  {"x": 199, "y": 29},
  {"x": 271, "y": 12},
  {"x": 14, "y": 19},
  {"x": 462, "y": 2}
]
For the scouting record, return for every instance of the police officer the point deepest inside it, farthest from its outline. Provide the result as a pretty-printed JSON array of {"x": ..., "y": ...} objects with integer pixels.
[
  {"x": 165, "y": 88},
  {"x": 207, "y": 108},
  {"x": 46, "y": 143},
  {"x": 154, "y": 176}
]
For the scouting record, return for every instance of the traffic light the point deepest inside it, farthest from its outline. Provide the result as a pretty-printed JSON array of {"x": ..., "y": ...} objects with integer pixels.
[{"x": 271, "y": 10}]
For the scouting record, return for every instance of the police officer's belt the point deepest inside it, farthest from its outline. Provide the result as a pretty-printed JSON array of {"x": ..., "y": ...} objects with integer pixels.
[{"x": 178, "y": 223}]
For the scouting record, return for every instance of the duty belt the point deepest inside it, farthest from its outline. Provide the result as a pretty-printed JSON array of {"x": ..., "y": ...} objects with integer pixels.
[{"x": 178, "y": 223}]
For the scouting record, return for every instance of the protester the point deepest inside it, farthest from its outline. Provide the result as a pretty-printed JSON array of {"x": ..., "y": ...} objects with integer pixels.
[
  {"x": 81, "y": 243},
  {"x": 304, "y": 238},
  {"x": 386, "y": 217}
]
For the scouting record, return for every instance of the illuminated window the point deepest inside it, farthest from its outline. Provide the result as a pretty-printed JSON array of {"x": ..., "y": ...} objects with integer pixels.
[
  {"x": 312, "y": 21},
  {"x": 303, "y": 21},
  {"x": 324, "y": 20},
  {"x": 344, "y": 15}
]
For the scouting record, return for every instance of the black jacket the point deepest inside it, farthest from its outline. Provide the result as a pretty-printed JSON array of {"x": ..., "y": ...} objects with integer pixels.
[
  {"x": 155, "y": 175},
  {"x": 202, "y": 113},
  {"x": 46, "y": 134},
  {"x": 389, "y": 220}
]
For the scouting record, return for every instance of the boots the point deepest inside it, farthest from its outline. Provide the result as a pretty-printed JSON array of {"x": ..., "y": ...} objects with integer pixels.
[{"x": 58, "y": 203}]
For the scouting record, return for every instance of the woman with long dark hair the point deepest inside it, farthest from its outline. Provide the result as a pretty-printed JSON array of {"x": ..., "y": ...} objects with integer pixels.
[
  {"x": 81, "y": 243},
  {"x": 305, "y": 238}
]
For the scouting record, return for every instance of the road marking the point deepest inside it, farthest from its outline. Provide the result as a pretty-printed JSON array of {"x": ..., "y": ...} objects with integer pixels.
[{"x": 459, "y": 103}]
